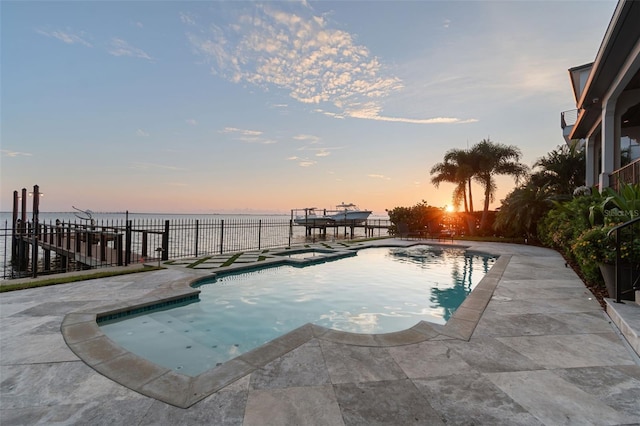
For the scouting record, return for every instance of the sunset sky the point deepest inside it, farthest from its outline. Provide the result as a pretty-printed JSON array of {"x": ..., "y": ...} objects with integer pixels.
[{"x": 205, "y": 107}]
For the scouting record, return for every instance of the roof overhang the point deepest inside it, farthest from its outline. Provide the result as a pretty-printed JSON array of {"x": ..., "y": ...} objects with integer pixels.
[
  {"x": 619, "y": 41},
  {"x": 576, "y": 75}
]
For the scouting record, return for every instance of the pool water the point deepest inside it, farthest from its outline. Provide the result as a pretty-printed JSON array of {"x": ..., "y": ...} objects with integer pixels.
[{"x": 380, "y": 290}]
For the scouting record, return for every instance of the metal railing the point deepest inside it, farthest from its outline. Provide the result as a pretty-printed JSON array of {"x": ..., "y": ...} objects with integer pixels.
[
  {"x": 627, "y": 238},
  {"x": 568, "y": 118},
  {"x": 628, "y": 174},
  {"x": 44, "y": 248}
]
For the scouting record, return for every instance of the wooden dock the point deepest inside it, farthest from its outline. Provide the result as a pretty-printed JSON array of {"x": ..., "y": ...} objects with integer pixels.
[
  {"x": 91, "y": 254},
  {"x": 347, "y": 229},
  {"x": 77, "y": 247}
]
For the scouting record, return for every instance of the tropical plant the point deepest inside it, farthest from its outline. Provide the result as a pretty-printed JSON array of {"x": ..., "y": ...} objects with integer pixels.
[
  {"x": 592, "y": 247},
  {"x": 522, "y": 210},
  {"x": 579, "y": 228},
  {"x": 555, "y": 177},
  {"x": 616, "y": 206},
  {"x": 595, "y": 246},
  {"x": 562, "y": 170},
  {"x": 492, "y": 159},
  {"x": 418, "y": 218},
  {"x": 623, "y": 205},
  {"x": 566, "y": 221}
]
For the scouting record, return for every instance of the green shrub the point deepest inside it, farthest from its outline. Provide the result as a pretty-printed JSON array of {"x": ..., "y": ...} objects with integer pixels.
[
  {"x": 566, "y": 221},
  {"x": 418, "y": 218},
  {"x": 578, "y": 229},
  {"x": 591, "y": 248}
]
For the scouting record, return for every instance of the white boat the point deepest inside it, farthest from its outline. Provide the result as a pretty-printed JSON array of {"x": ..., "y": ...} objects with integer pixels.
[
  {"x": 344, "y": 214},
  {"x": 348, "y": 214},
  {"x": 312, "y": 218}
]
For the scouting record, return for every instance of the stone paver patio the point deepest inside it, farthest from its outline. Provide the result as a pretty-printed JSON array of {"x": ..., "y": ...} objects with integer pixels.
[{"x": 530, "y": 346}]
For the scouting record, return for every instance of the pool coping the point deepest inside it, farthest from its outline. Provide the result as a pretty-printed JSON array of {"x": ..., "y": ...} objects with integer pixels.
[{"x": 84, "y": 337}]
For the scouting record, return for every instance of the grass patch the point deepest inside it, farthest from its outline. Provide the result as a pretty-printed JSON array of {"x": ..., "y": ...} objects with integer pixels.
[
  {"x": 72, "y": 279},
  {"x": 196, "y": 263},
  {"x": 231, "y": 259}
]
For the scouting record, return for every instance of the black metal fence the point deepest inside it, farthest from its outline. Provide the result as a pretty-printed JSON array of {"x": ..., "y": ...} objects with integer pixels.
[
  {"x": 627, "y": 266},
  {"x": 33, "y": 249}
]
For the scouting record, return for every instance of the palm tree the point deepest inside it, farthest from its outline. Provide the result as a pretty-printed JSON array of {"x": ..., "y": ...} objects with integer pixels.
[
  {"x": 492, "y": 159},
  {"x": 457, "y": 169},
  {"x": 562, "y": 169},
  {"x": 464, "y": 172}
]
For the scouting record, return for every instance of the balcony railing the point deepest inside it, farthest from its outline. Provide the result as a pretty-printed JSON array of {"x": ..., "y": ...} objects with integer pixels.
[
  {"x": 568, "y": 118},
  {"x": 629, "y": 174}
]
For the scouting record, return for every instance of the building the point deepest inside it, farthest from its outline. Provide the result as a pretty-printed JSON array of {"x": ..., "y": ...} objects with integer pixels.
[{"x": 607, "y": 96}]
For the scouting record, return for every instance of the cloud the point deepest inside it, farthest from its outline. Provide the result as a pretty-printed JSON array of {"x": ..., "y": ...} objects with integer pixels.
[
  {"x": 142, "y": 133},
  {"x": 241, "y": 131},
  {"x": 258, "y": 140},
  {"x": 377, "y": 176},
  {"x": 67, "y": 37},
  {"x": 303, "y": 55},
  {"x": 312, "y": 142},
  {"x": 446, "y": 23},
  {"x": 248, "y": 136},
  {"x": 120, "y": 47},
  {"x": 302, "y": 162},
  {"x": 191, "y": 121},
  {"x": 371, "y": 111},
  {"x": 307, "y": 138},
  {"x": 187, "y": 18},
  {"x": 7, "y": 153},
  {"x": 330, "y": 114},
  {"x": 115, "y": 47},
  {"x": 313, "y": 145}
]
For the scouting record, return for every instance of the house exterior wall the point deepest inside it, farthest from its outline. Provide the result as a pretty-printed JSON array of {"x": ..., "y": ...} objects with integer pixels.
[{"x": 608, "y": 91}]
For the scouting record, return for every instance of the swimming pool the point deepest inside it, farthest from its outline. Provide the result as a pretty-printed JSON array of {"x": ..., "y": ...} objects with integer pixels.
[{"x": 380, "y": 290}]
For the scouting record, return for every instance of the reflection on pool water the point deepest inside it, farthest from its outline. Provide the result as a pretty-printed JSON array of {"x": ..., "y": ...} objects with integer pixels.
[
  {"x": 305, "y": 254},
  {"x": 380, "y": 290}
]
